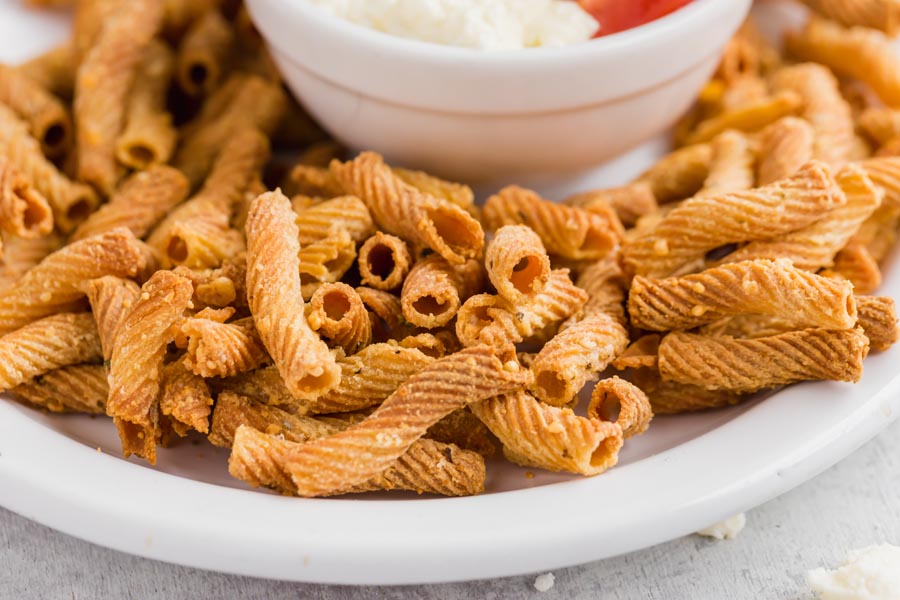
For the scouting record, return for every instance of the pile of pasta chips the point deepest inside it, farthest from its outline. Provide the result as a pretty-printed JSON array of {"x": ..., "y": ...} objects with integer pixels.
[{"x": 347, "y": 326}]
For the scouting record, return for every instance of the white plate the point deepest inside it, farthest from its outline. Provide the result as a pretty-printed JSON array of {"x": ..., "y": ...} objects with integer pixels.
[{"x": 684, "y": 474}]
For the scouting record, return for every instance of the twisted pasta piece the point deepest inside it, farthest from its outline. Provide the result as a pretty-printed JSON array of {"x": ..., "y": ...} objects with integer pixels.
[
  {"x": 824, "y": 108},
  {"x": 885, "y": 173},
  {"x": 748, "y": 54},
  {"x": 749, "y": 365},
  {"x": 370, "y": 376},
  {"x": 204, "y": 53},
  {"x": 564, "y": 230},
  {"x": 704, "y": 223},
  {"x": 274, "y": 295},
  {"x": 138, "y": 204},
  {"x": 575, "y": 356},
  {"x": 604, "y": 283},
  {"x": 880, "y": 124},
  {"x": 185, "y": 398},
  {"x": 434, "y": 290},
  {"x": 357, "y": 454},
  {"x": 516, "y": 263},
  {"x": 384, "y": 261},
  {"x": 386, "y": 314},
  {"x": 629, "y": 202},
  {"x": 75, "y": 389},
  {"x": 102, "y": 83},
  {"x": 222, "y": 349},
  {"x": 53, "y": 70},
  {"x": 148, "y": 137},
  {"x": 556, "y": 439},
  {"x": 857, "y": 265},
  {"x": 624, "y": 403},
  {"x": 462, "y": 428},
  {"x": 337, "y": 313},
  {"x": 402, "y": 210},
  {"x": 48, "y": 120},
  {"x": 53, "y": 285},
  {"x": 20, "y": 255},
  {"x": 747, "y": 118},
  {"x": 429, "y": 344},
  {"x": 671, "y": 398},
  {"x": 136, "y": 366},
  {"x": 71, "y": 201},
  {"x": 732, "y": 166},
  {"x": 427, "y": 467},
  {"x": 641, "y": 353},
  {"x": 328, "y": 259},
  {"x": 786, "y": 145},
  {"x": 858, "y": 52},
  {"x": 883, "y": 15},
  {"x": 234, "y": 410},
  {"x": 878, "y": 319},
  {"x": 47, "y": 344},
  {"x": 456, "y": 193},
  {"x": 759, "y": 286},
  {"x": 815, "y": 246},
  {"x": 24, "y": 212},
  {"x": 110, "y": 298},
  {"x": 679, "y": 174},
  {"x": 324, "y": 219}
]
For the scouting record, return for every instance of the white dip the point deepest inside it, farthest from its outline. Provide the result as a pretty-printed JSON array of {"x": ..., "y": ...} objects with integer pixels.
[
  {"x": 484, "y": 24},
  {"x": 727, "y": 529},
  {"x": 872, "y": 573}
]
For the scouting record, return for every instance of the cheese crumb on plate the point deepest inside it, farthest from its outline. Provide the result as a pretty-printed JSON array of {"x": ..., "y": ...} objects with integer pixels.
[
  {"x": 871, "y": 573},
  {"x": 727, "y": 529},
  {"x": 544, "y": 582}
]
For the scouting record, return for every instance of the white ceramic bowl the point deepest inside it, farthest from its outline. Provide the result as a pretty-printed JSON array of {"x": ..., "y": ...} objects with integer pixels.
[{"x": 477, "y": 116}]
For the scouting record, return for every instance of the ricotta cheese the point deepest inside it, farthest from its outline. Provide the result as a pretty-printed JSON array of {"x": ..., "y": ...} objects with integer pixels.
[
  {"x": 482, "y": 24},
  {"x": 871, "y": 573},
  {"x": 727, "y": 529},
  {"x": 544, "y": 582}
]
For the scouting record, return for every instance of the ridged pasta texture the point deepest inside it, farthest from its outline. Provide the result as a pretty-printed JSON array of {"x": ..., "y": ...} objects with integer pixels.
[
  {"x": 48, "y": 119},
  {"x": 325, "y": 219},
  {"x": 704, "y": 223},
  {"x": 403, "y": 210},
  {"x": 74, "y": 389},
  {"x": 222, "y": 349},
  {"x": 185, "y": 398},
  {"x": 273, "y": 292},
  {"x": 564, "y": 230},
  {"x": 50, "y": 343},
  {"x": 671, "y": 397},
  {"x": 679, "y": 174},
  {"x": 434, "y": 290},
  {"x": 878, "y": 319},
  {"x": 110, "y": 299},
  {"x": 785, "y": 146},
  {"x": 337, "y": 313},
  {"x": 732, "y": 167},
  {"x": 384, "y": 261},
  {"x": 748, "y": 365},
  {"x": 24, "y": 212},
  {"x": 883, "y": 15},
  {"x": 759, "y": 286},
  {"x": 517, "y": 263},
  {"x": 354, "y": 456}
]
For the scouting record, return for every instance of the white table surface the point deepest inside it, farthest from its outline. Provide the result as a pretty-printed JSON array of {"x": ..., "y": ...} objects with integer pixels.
[{"x": 855, "y": 504}]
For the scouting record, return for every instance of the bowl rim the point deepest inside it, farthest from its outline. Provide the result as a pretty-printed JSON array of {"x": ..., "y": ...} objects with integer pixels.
[{"x": 595, "y": 47}]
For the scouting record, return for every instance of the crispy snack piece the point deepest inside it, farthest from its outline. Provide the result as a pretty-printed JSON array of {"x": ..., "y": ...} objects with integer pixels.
[
  {"x": 273, "y": 292},
  {"x": 878, "y": 319},
  {"x": 880, "y": 124},
  {"x": 630, "y": 202},
  {"x": 823, "y": 107},
  {"x": 732, "y": 167},
  {"x": 216, "y": 349},
  {"x": 704, "y": 223},
  {"x": 434, "y": 290},
  {"x": 885, "y": 173},
  {"x": 384, "y": 261},
  {"x": 110, "y": 298},
  {"x": 185, "y": 398},
  {"x": 883, "y": 15},
  {"x": 403, "y": 210},
  {"x": 857, "y": 265},
  {"x": 337, "y": 313},
  {"x": 679, "y": 174},
  {"x": 48, "y": 120},
  {"x": 54, "y": 285},
  {"x": 334, "y": 464},
  {"x": 234, "y": 410},
  {"x": 748, "y": 54},
  {"x": 641, "y": 353},
  {"x": 566, "y": 231},
  {"x": 149, "y": 136},
  {"x": 46, "y": 344},
  {"x": 463, "y": 429},
  {"x": 490, "y": 319},
  {"x": 138, "y": 204},
  {"x": 20, "y": 255},
  {"x": 575, "y": 356},
  {"x": 814, "y": 246},
  {"x": 516, "y": 263},
  {"x": 74, "y": 389},
  {"x": 432, "y": 345},
  {"x": 103, "y": 81},
  {"x": 53, "y": 70},
  {"x": 759, "y": 286},
  {"x": 457, "y": 193},
  {"x": 621, "y": 402},
  {"x": 386, "y": 314},
  {"x": 857, "y": 52},
  {"x": 604, "y": 283},
  {"x": 748, "y": 365},
  {"x": 427, "y": 467},
  {"x": 747, "y": 118},
  {"x": 328, "y": 259},
  {"x": 71, "y": 202},
  {"x": 204, "y": 53},
  {"x": 786, "y": 145},
  {"x": 535, "y": 434},
  {"x": 670, "y": 397},
  {"x": 24, "y": 212},
  {"x": 136, "y": 366},
  {"x": 250, "y": 102},
  {"x": 324, "y": 219}
]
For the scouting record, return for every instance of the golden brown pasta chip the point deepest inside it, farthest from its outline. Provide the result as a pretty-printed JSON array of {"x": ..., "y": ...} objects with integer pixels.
[
  {"x": 24, "y": 212},
  {"x": 75, "y": 389},
  {"x": 434, "y": 290},
  {"x": 48, "y": 120}
]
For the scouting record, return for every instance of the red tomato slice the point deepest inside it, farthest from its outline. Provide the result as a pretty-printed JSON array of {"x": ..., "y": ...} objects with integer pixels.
[{"x": 619, "y": 15}]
